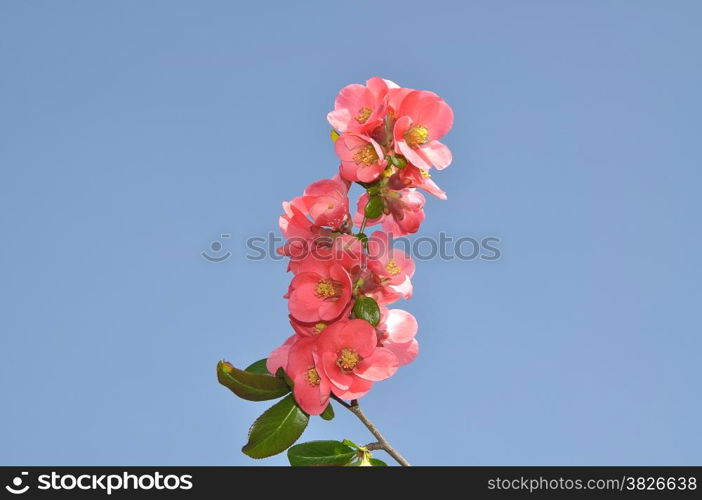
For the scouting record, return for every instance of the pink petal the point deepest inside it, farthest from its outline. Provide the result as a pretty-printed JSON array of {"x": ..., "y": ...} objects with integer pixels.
[
  {"x": 437, "y": 154},
  {"x": 380, "y": 365},
  {"x": 406, "y": 353},
  {"x": 279, "y": 357},
  {"x": 401, "y": 326},
  {"x": 358, "y": 388}
]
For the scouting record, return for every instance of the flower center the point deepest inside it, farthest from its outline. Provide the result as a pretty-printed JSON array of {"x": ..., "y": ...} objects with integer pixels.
[
  {"x": 365, "y": 155},
  {"x": 319, "y": 327},
  {"x": 363, "y": 115},
  {"x": 424, "y": 173},
  {"x": 347, "y": 360},
  {"x": 325, "y": 289},
  {"x": 392, "y": 267},
  {"x": 416, "y": 135},
  {"x": 312, "y": 377}
]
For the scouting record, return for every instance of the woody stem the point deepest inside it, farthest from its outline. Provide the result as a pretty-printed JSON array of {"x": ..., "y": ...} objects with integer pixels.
[{"x": 382, "y": 443}]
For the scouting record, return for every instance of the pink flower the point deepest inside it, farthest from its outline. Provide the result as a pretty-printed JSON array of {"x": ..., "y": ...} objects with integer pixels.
[
  {"x": 350, "y": 357},
  {"x": 392, "y": 269},
  {"x": 298, "y": 230},
  {"x": 343, "y": 249},
  {"x": 415, "y": 177},
  {"x": 322, "y": 294},
  {"x": 404, "y": 211},
  {"x": 358, "y": 108},
  {"x": 308, "y": 329},
  {"x": 327, "y": 202},
  {"x": 279, "y": 357},
  {"x": 310, "y": 385},
  {"x": 422, "y": 119},
  {"x": 362, "y": 158},
  {"x": 396, "y": 332}
]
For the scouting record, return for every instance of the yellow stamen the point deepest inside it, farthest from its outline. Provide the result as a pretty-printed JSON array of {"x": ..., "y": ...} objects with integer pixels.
[
  {"x": 325, "y": 289},
  {"x": 312, "y": 376},
  {"x": 347, "y": 360},
  {"x": 424, "y": 173},
  {"x": 392, "y": 267},
  {"x": 416, "y": 135},
  {"x": 319, "y": 327},
  {"x": 365, "y": 155},
  {"x": 363, "y": 115}
]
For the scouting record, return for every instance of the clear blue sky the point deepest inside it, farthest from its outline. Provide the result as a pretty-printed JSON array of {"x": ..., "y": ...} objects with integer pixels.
[{"x": 133, "y": 134}]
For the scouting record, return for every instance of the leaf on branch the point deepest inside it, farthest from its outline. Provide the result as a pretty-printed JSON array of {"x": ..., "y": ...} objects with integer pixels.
[
  {"x": 321, "y": 453},
  {"x": 276, "y": 429},
  {"x": 367, "y": 308},
  {"x": 258, "y": 367},
  {"x": 248, "y": 385},
  {"x": 328, "y": 413},
  {"x": 374, "y": 207}
]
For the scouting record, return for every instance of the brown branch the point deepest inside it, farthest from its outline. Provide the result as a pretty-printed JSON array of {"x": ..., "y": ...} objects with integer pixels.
[{"x": 382, "y": 443}]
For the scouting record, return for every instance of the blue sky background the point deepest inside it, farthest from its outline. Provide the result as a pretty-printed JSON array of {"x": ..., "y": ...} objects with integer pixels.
[{"x": 133, "y": 134}]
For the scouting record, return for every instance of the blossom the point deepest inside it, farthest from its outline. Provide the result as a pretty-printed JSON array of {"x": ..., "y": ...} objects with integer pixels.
[
  {"x": 362, "y": 158},
  {"x": 412, "y": 176},
  {"x": 403, "y": 214},
  {"x": 308, "y": 329},
  {"x": 327, "y": 203},
  {"x": 358, "y": 108},
  {"x": 300, "y": 232},
  {"x": 392, "y": 270},
  {"x": 351, "y": 359},
  {"x": 321, "y": 294},
  {"x": 422, "y": 119},
  {"x": 311, "y": 387},
  {"x": 343, "y": 249},
  {"x": 396, "y": 331},
  {"x": 279, "y": 357}
]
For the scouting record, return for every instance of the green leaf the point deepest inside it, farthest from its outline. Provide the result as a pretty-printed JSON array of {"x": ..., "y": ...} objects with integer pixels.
[
  {"x": 367, "y": 308},
  {"x": 350, "y": 443},
  {"x": 278, "y": 428},
  {"x": 367, "y": 462},
  {"x": 374, "y": 207},
  {"x": 321, "y": 453},
  {"x": 328, "y": 413},
  {"x": 398, "y": 160},
  {"x": 250, "y": 386},
  {"x": 376, "y": 462},
  {"x": 280, "y": 373},
  {"x": 258, "y": 367}
]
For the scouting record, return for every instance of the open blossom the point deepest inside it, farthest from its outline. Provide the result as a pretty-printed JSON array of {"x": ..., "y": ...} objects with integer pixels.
[
  {"x": 362, "y": 158},
  {"x": 360, "y": 108},
  {"x": 322, "y": 294},
  {"x": 311, "y": 386},
  {"x": 396, "y": 331},
  {"x": 392, "y": 270},
  {"x": 351, "y": 359},
  {"x": 327, "y": 203},
  {"x": 422, "y": 119},
  {"x": 415, "y": 177}
]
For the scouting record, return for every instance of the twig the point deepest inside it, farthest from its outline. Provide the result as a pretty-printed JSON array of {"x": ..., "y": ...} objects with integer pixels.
[{"x": 382, "y": 443}]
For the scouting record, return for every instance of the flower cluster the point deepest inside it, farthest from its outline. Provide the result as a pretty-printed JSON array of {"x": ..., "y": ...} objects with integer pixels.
[{"x": 345, "y": 336}]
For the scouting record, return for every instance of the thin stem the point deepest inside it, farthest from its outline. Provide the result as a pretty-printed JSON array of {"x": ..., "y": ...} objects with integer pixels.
[
  {"x": 382, "y": 443},
  {"x": 363, "y": 224}
]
